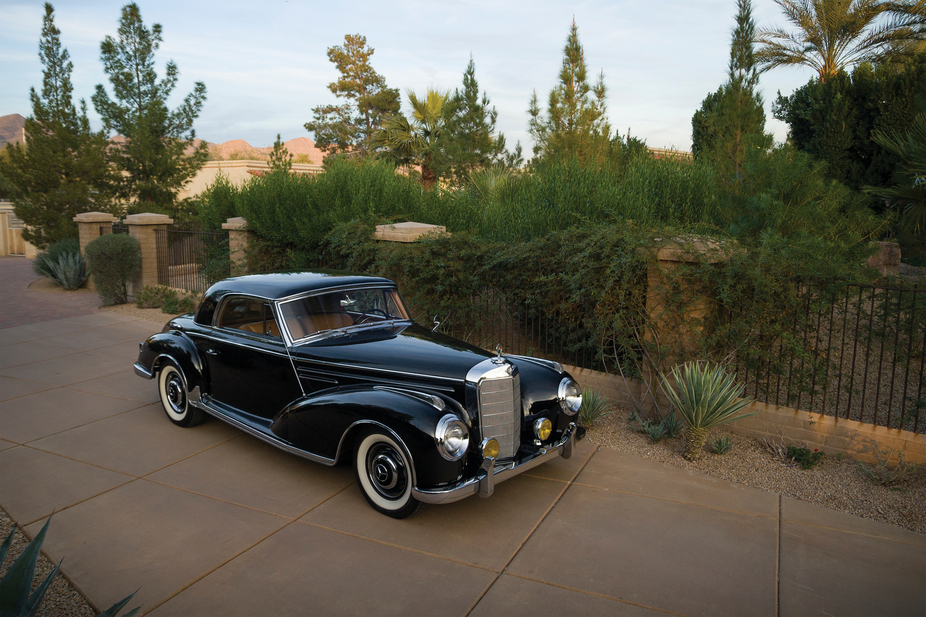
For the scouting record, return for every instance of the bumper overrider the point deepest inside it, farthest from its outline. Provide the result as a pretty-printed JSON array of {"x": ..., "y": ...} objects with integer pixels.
[{"x": 490, "y": 473}]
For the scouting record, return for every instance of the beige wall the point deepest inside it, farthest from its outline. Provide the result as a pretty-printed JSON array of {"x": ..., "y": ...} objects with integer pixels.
[
  {"x": 236, "y": 172},
  {"x": 11, "y": 234}
]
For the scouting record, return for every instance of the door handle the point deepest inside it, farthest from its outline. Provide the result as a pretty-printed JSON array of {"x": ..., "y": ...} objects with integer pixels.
[{"x": 212, "y": 352}]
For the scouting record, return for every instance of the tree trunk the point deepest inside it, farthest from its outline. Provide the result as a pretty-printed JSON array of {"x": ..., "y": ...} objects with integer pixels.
[{"x": 694, "y": 442}]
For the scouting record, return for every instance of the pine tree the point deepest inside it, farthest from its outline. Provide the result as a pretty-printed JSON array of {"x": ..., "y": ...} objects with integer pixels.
[
  {"x": 60, "y": 170},
  {"x": 732, "y": 119},
  {"x": 280, "y": 157},
  {"x": 471, "y": 141},
  {"x": 159, "y": 153},
  {"x": 575, "y": 123},
  {"x": 348, "y": 128}
]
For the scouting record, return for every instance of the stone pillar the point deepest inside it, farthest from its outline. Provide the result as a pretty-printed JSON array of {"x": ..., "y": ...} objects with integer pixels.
[
  {"x": 89, "y": 224},
  {"x": 676, "y": 307},
  {"x": 238, "y": 239},
  {"x": 406, "y": 232},
  {"x": 4, "y": 234},
  {"x": 142, "y": 228}
]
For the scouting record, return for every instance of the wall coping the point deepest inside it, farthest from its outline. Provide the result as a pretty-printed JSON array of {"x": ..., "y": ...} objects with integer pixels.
[
  {"x": 236, "y": 223},
  {"x": 95, "y": 217},
  {"x": 691, "y": 250},
  {"x": 148, "y": 218},
  {"x": 406, "y": 232}
]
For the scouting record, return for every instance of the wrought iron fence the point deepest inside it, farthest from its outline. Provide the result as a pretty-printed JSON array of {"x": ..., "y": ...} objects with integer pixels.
[
  {"x": 115, "y": 228},
  {"x": 857, "y": 353},
  {"x": 191, "y": 259}
]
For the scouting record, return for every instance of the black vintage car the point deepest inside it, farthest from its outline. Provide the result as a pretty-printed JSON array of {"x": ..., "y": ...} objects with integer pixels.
[{"x": 329, "y": 366}]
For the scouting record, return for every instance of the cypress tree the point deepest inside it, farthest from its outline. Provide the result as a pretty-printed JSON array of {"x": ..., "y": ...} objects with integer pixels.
[
  {"x": 575, "y": 123},
  {"x": 159, "y": 153},
  {"x": 60, "y": 170},
  {"x": 732, "y": 118}
]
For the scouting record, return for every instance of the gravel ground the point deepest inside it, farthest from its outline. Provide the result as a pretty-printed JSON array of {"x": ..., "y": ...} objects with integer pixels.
[{"x": 835, "y": 484}]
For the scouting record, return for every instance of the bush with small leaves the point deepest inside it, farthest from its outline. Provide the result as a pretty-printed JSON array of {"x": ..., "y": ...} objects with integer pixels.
[
  {"x": 882, "y": 473},
  {"x": 179, "y": 304},
  {"x": 154, "y": 297},
  {"x": 804, "y": 457},
  {"x": 114, "y": 259}
]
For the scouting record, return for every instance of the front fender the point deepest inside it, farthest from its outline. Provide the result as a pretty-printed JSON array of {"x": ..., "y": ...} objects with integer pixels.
[
  {"x": 327, "y": 423},
  {"x": 176, "y": 346}
]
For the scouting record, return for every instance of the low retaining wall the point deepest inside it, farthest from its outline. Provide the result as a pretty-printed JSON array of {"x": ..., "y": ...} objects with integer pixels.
[{"x": 801, "y": 428}]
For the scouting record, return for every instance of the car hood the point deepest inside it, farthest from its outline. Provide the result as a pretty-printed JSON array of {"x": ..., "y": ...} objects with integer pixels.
[{"x": 401, "y": 348}]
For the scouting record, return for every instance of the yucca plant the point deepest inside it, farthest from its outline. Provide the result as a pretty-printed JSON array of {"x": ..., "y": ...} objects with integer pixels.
[
  {"x": 706, "y": 397},
  {"x": 15, "y": 599},
  {"x": 594, "y": 407}
]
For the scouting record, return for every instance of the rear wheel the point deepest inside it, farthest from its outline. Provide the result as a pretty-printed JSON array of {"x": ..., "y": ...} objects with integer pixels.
[
  {"x": 384, "y": 475},
  {"x": 174, "y": 400}
]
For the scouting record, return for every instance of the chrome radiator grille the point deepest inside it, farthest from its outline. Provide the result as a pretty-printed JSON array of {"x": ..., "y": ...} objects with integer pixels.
[{"x": 500, "y": 411}]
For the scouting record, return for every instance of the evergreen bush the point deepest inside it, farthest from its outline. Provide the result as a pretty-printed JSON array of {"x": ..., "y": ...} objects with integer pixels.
[{"x": 114, "y": 259}]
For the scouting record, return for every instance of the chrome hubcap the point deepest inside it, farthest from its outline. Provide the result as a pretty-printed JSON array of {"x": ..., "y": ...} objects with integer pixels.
[
  {"x": 175, "y": 395},
  {"x": 386, "y": 471}
]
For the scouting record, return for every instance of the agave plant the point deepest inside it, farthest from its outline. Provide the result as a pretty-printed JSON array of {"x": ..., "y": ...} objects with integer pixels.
[
  {"x": 15, "y": 585},
  {"x": 70, "y": 271},
  {"x": 707, "y": 397},
  {"x": 594, "y": 407}
]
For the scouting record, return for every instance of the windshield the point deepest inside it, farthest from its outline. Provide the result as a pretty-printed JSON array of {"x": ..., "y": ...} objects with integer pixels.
[{"x": 310, "y": 315}]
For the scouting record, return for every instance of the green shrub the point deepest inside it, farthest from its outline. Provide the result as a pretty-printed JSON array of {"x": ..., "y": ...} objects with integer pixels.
[
  {"x": 882, "y": 473},
  {"x": 50, "y": 255},
  {"x": 179, "y": 304},
  {"x": 114, "y": 259},
  {"x": 804, "y": 457},
  {"x": 154, "y": 297}
]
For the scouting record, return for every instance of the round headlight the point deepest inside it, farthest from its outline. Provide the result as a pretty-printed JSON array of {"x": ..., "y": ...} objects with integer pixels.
[
  {"x": 452, "y": 437},
  {"x": 490, "y": 448},
  {"x": 542, "y": 428},
  {"x": 570, "y": 397}
]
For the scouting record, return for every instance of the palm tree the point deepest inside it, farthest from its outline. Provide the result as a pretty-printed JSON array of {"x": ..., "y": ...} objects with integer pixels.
[
  {"x": 416, "y": 142},
  {"x": 909, "y": 198},
  {"x": 833, "y": 34}
]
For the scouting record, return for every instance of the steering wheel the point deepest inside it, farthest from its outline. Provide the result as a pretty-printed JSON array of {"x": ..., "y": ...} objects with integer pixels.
[{"x": 370, "y": 312}]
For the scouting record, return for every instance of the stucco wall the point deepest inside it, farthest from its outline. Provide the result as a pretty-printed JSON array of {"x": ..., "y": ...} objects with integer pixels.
[{"x": 236, "y": 172}]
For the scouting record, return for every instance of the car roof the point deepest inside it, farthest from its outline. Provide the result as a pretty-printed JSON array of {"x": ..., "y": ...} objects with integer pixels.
[{"x": 284, "y": 284}]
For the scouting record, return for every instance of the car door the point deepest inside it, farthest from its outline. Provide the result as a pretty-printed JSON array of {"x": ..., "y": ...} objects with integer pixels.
[{"x": 249, "y": 368}]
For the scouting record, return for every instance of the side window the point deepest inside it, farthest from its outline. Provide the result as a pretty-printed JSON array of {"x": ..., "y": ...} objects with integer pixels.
[{"x": 250, "y": 315}]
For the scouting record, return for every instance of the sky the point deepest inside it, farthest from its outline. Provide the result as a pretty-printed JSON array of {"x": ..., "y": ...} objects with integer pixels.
[{"x": 265, "y": 63}]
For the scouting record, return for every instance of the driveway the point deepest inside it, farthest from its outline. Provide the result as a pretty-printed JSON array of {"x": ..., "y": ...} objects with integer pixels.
[{"x": 209, "y": 521}]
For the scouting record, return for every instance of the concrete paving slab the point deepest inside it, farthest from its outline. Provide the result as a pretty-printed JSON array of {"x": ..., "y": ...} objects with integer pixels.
[
  {"x": 631, "y": 474},
  {"x": 11, "y": 388},
  {"x": 248, "y": 472},
  {"x": 812, "y": 514},
  {"x": 126, "y": 385},
  {"x": 656, "y": 553},
  {"x": 34, "y": 416},
  {"x": 480, "y": 532},
  {"x": 43, "y": 483},
  {"x": 69, "y": 369},
  {"x": 38, "y": 331},
  {"x": 513, "y": 597},
  {"x": 4, "y": 444},
  {"x": 27, "y": 353},
  {"x": 137, "y": 442},
  {"x": 128, "y": 350},
  {"x": 104, "y": 336},
  {"x": 565, "y": 470},
  {"x": 304, "y": 570},
  {"x": 151, "y": 538},
  {"x": 103, "y": 318},
  {"x": 832, "y": 572}
]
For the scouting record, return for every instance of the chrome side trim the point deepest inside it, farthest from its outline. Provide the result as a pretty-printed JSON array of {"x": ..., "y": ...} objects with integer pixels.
[
  {"x": 491, "y": 474},
  {"x": 265, "y": 437},
  {"x": 141, "y": 371},
  {"x": 304, "y": 362},
  {"x": 239, "y": 343}
]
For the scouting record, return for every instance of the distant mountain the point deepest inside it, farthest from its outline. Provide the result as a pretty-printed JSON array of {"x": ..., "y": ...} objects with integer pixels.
[
  {"x": 11, "y": 129},
  {"x": 240, "y": 149}
]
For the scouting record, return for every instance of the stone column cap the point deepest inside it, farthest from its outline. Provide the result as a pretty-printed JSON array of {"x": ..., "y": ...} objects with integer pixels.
[
  {"x": 148, "y": 218},
  {"x": 406, "y": 232},
  {"x": 95, "y": 217},
  {"x": 692, "y": 249},
  {"x": 235, "y": 223}
]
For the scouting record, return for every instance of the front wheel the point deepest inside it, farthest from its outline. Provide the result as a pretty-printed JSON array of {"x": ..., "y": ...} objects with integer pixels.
[
  {"x": 174, "y": 400},
  {"x": 384, "y": 475}
]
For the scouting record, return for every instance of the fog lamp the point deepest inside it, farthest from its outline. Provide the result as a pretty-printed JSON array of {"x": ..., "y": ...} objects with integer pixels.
[
  {"x": 542, "y": 428},
  {"x": 490, "y": 448}
]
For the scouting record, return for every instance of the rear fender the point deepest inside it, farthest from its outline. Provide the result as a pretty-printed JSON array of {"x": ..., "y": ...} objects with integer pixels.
[{"x": 177, "y": 347}]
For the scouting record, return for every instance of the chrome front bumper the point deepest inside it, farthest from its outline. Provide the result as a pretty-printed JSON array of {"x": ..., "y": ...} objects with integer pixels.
[{"x": 491, "y": 473}]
